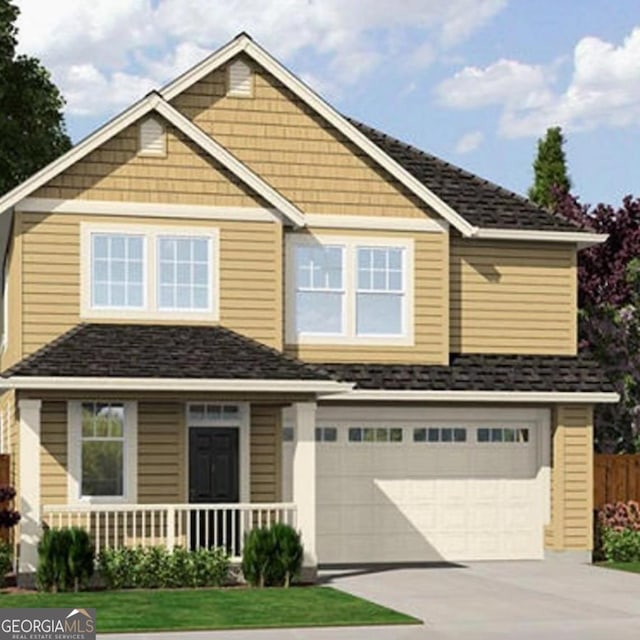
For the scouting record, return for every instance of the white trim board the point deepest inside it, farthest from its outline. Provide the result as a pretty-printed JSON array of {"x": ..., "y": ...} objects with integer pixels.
[
  {"x": 332, "y": 221},
  {"x": 226, "y": 385},
  {"x": 154, "y": 102},
  {"x": 582, "y": 238},
  {"x": 146, "y": 209},
  {"x": 534, "y": 397}
]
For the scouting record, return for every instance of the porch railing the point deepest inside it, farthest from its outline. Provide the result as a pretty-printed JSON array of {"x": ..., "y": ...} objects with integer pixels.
[{"x": 192, "y": 526}]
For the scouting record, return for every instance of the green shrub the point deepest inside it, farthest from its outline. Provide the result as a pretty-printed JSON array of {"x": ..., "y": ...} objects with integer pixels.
[
  {"x": 155, "y": 568},
  {"x": 272, "y": 556},
  {"x": 621, "y": 545},
  {"x": 116, "y": 567},
  {"x": 6, "y": 560},
  {"x": 65, "y": 559}
]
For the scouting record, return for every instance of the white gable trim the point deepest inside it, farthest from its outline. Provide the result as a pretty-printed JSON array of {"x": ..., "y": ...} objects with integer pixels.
[
  {"x": 147, "y": 209},
  {"x": 244, "y": 43},
  {"x": 154, "y": 102},
  {"x": 582, "y": 238}
]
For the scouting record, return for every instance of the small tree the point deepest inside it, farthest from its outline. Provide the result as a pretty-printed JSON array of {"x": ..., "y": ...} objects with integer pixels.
[{"x": 551, "y": 181}]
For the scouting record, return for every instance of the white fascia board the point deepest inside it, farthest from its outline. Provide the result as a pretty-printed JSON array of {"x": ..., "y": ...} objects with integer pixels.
[
  {"x": 583, "y": 238},
  {"x": 534, "y": 397},
  {"x": 238, "y": 168},
  {"x": 329, "y": 221},
  {"x": 147, "y": 209},
  {"x": 224, "y": 385},
  {"x": 245, "y": 44},
  {"x": 86, "y": 146}
]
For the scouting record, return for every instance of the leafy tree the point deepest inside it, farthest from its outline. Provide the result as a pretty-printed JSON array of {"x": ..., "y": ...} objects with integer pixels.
[
  {"x": 551, "y": 180},
  {"x": 32, "y": 128},
  {"x": 609, "y": 301}
]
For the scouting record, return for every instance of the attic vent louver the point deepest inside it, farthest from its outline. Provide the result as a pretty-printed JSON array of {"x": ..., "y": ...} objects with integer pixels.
[
  {"x": 240, "y": 80},
  {"x": 153, "y": 139}
]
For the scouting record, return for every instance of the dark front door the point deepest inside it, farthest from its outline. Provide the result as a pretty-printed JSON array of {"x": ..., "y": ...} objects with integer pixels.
[{"x": 214, "y": 478}]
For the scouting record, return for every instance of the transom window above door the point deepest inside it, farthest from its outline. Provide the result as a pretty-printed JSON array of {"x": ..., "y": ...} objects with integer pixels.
[
  {"x": 139, "y": 272},
  {"x": 349, "y": 290}
]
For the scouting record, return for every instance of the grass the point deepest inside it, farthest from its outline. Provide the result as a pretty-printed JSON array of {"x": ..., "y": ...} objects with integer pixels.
[
  {"x": 234, "y": 608},
  {"x": 632, "y": 567}
]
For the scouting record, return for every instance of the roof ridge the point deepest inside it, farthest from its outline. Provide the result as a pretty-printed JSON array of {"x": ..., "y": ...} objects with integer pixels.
[{"x": 472, "y": 176}]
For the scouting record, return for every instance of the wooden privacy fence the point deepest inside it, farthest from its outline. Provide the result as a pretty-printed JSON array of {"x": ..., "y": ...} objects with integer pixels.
[{"x": 615, "y": 478}]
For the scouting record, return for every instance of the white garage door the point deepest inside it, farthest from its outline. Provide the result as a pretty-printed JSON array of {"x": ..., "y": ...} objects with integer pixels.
[{"x": 415, "y": 486}]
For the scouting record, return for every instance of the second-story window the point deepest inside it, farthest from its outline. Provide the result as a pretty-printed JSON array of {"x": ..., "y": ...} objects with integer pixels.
[
  {"x": 117, "y": 271},
  {"x": 349, "y": 290},
  {"x": 139, "y": 272}
]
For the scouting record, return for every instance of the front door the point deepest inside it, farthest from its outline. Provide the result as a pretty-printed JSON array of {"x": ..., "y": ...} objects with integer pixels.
[{"x": 214, "y": 478}]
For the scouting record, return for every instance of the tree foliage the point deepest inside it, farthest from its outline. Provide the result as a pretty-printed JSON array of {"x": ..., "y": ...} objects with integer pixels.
[
  {"x": 32, "y": 128},
  {"x": 551, "y": 180},
  {"x": 609, "y": 300}
]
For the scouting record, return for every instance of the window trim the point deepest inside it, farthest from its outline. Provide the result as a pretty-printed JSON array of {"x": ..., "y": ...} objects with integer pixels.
[
  {"x": 129, "y": 458},
  {"x": 151, "y": 235},
  {"x": 350, "y": 246}
]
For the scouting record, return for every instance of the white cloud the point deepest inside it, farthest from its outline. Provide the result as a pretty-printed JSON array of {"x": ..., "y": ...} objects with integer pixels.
[
  {"x": 337, "y": 42},
  {"x": 604, "y": 90},
  {"x": 469, "y": 142}
]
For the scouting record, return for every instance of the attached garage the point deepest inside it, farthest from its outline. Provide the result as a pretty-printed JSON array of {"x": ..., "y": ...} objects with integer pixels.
[{"x": 422, "y": 485}]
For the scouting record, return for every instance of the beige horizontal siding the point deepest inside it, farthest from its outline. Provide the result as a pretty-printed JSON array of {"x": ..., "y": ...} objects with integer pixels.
[
  {"x": 511, "y": 297},
  {"x": 295, "y": 150},
  {"x": 431, "y": 308},
  {"x": 250, "y": 275},
  {"x": 265, "y": 444},
  {"x": 53, "y": 452},
  {"x": 161, "y": 452},
  {"x": 114, "y": 171},
  {"x": 571, "y": 479}
]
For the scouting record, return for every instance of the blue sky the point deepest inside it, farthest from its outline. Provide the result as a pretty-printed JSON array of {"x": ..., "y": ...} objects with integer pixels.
[{"x": 474, "y": 81}]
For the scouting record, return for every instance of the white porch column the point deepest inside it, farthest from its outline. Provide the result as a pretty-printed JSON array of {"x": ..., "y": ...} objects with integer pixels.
[
  {"x": 304, "y": 477},
  {"x": 29, "y": 461}
]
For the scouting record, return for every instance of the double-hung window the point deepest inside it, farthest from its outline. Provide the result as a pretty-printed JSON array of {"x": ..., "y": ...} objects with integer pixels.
[
  {"x": 349, "y": 290},
  {"x": 149, "y": 272},
  {"x": 102, "y": 447}
]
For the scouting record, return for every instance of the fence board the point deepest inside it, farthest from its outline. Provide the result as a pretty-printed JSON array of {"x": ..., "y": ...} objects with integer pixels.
[{"x": 615, "y": 478}]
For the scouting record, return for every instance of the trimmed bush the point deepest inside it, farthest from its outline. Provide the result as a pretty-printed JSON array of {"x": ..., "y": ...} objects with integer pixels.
[
  {"x": 66, "y": 559},
  {"x": 621, "y": 545},
  {"x": 272, "y": 557},
  {"x": 157, "y": 568}
]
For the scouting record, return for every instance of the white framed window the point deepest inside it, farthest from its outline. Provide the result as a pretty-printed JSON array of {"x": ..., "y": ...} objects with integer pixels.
[
  {"x": 349, "y": 290},
  {"x": 502, "y": 435},
  {"x": 375, "y": 434},
  {"x": 147, "y": 272},
  {"x": 102, "y": 449}
]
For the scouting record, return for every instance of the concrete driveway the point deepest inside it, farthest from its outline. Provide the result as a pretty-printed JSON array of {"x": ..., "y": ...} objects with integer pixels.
[{"x": 480, "y": 601}]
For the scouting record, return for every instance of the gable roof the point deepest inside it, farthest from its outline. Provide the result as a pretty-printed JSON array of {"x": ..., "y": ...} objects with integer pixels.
[
  {"x": 431, "y": 180},
  {"x": 154, "y": 102}
]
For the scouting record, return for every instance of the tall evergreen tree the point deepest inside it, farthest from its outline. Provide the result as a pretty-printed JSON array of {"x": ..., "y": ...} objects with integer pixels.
[
  {"x": 32, "y": 128},
  {"x": 551, "y": 180}
]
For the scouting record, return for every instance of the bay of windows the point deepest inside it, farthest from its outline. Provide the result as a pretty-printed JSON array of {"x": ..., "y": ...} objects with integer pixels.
[{"x": 350, "y": 290}]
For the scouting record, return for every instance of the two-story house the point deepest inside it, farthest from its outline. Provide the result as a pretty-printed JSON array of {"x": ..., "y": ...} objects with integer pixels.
[{"x": 232, "y": 305}]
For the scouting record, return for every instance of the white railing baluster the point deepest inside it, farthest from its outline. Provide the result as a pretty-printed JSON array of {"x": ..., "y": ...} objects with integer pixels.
[{"x": 171, "y": 528}]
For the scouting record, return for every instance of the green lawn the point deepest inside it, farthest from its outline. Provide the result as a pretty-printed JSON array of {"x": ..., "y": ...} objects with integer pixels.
[
  {"x": 234, "y": 608},
  {"x": 633, "y": 567}
]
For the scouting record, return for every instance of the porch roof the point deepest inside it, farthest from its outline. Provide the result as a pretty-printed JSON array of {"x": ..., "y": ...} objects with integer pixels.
[{"x": 137, "y": 351}]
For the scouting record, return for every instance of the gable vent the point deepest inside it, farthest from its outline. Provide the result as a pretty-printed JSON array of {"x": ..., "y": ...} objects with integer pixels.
[
  {"x": 240, "y": 80},
  {"x": 153, "y": 139}
]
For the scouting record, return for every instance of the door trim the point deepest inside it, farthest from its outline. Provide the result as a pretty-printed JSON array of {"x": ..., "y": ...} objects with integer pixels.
[{"x": 243, "y": 424}]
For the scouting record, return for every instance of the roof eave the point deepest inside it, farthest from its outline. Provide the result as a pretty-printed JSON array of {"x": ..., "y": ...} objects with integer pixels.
[
  {"x": 224, "y": 385},
  {"x": 582, "y": 238},
  {"x": 529, "y": 397}
]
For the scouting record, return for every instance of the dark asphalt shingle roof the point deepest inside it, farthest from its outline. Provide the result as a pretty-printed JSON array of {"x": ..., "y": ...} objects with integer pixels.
[
  {"x": 480, "y": 202},
  {"x": 478, "y": 372},
  {"x": 161, "y": 351}
]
